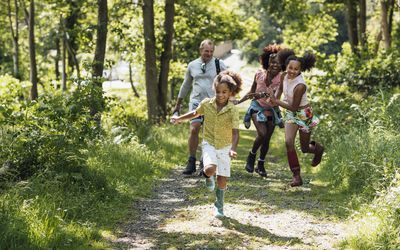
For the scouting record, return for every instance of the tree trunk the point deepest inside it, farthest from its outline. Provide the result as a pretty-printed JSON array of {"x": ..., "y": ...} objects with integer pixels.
[
  {"x": 390, "y": 21},
  {"x": 131, "y": 80},
  {"x": 101, "y": 39},
  {"x": 363, "y": 23},
  {"x": 15, "y": 37},
  {"x": 352, "y": 23},
  {"x": 70, "y": 23},
  {"x": 150, "y": 60},
  {"x": 385, "y": 24},
  {"x": 166, "y": 56},
  {"x": 64, "y": 60},
  {"x": 98, "y": 61},
  {"x": 57, "y": 59},
  {"x": 32, "y": 51},
  {"x": 377, "y": 42}
]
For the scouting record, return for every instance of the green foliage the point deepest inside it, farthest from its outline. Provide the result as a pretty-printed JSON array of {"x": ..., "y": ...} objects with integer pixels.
[
  {"x": 377, "y": 226},
  {"x": 220, "y": 23},
  {"x": 364, "y": 72},
  {"x": 48, "y": 133},
  {"x": 360, "y": 134}
]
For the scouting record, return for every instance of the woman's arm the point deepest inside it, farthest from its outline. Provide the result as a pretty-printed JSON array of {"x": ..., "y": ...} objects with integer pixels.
[{"x": 252, "y": 90}]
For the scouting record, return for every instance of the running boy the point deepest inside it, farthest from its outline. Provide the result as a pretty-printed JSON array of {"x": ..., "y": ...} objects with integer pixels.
[{"x": 221, "y": 133}]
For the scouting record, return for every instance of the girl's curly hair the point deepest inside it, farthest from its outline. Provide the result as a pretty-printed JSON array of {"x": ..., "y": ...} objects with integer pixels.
[{"x": 232, "y": 79}]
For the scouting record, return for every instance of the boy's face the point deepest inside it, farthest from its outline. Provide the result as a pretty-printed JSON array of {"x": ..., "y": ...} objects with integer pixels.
[
  {"x": 222, "y": 93},
  {"x": 293, "y": 69}
]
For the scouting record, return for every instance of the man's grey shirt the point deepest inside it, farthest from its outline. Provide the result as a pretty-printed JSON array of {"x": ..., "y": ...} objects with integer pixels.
[{"x": 201, "y": 83}]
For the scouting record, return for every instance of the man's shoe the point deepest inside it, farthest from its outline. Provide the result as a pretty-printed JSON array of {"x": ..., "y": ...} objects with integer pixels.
[
  {"x": 190, "y": 167},
  {"x": 210, "y": 183}
]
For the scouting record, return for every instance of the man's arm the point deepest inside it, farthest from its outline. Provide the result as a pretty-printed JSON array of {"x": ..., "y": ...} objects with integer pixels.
[{"x": 184, "y": 90}]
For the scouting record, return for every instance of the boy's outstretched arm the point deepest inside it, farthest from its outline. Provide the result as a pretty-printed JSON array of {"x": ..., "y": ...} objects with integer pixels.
[
  {"x": 184, "y": 117},
  {"x": 235, "y": 142}
]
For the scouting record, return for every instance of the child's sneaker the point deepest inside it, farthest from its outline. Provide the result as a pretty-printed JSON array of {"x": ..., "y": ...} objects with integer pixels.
[{"x": 210, "y": 183}]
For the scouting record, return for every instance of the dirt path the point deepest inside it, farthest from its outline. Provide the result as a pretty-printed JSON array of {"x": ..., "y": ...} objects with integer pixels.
[{"x": 261, "y": 213}]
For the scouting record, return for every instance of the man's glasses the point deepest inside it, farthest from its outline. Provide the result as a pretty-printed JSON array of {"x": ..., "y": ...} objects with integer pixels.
[{"x": 203, "y": 68}]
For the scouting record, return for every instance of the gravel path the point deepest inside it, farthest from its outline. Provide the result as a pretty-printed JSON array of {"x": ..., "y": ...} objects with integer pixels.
[{"x": 176, "y": 218}]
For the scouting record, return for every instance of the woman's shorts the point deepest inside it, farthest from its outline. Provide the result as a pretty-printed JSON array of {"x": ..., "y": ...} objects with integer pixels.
[
  {"x": 218, "y": 157},
  {"x": 304, "y": 118}
]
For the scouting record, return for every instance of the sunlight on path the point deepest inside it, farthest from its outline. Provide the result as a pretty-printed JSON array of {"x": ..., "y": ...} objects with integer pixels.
[{"x": 273, "y": 229}]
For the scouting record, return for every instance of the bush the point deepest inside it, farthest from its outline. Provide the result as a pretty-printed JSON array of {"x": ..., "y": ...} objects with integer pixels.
[{"x": 45, "y": 134}]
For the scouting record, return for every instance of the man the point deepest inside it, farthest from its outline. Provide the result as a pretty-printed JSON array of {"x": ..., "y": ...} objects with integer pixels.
[{"x": 199, "y": 77}]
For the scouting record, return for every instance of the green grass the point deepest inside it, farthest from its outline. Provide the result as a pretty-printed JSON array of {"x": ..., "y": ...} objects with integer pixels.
[{"x": 81, "y": 209}]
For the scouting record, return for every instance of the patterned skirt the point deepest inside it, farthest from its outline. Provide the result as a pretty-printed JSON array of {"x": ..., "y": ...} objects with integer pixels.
[{"x": 304, "y": 118}]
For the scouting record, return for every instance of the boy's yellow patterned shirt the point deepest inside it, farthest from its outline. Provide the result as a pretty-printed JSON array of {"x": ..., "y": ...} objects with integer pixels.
[{"x": 218, "y": 125}]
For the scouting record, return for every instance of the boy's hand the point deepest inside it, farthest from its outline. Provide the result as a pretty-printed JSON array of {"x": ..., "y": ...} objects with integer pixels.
[{"x": 232, "y": 154}]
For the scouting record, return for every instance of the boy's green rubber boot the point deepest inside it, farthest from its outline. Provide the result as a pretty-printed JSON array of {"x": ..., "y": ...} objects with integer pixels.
[
  {"x": 219, "y": 203},
  {"x": 210, "y": 183}
]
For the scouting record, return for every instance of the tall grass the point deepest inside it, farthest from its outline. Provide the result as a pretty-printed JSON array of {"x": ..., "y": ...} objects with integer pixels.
[{"x": 82, "y": 186}]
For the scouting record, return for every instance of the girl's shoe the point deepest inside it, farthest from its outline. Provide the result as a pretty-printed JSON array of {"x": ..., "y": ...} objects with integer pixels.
[
  {"x": 260, "y": 168},
  {"x": 210, "y": 183},
  {"x": 319, "y": 151},
  {"x": 296, "y": 181},
  {"x": 251, "y": 159}
]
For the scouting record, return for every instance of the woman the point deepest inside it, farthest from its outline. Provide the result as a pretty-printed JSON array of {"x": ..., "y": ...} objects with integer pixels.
[{"x": 262, "y": 112}]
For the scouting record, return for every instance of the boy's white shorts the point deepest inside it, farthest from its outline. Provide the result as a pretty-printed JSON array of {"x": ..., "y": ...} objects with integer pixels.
[{"x": 218, "y": 157}]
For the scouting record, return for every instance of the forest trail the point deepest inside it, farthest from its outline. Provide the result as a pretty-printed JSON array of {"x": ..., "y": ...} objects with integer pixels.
[{"x": 261, "y": 213}]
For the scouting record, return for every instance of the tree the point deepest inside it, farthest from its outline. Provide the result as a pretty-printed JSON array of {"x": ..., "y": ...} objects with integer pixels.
[
  {"x": 166, "y": 55},
  {"x": 150, "y": 60},
  {"x": 98, "y": 60},
  {"x": 101, "y": 40},
  {"x": 387, "y": 7},
  {"x": 15, "y": 36},
  {"x": 351, "y": 8},
  {"x": 362, "y": 37},
  {"x": 30, "y": 20}
]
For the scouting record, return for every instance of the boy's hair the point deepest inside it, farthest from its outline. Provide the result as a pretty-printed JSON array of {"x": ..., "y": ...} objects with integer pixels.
[
  {"x": 267, "y": 52},
  {"x": 307, "y": 62},
  {"x": 232, "y": 79}
]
